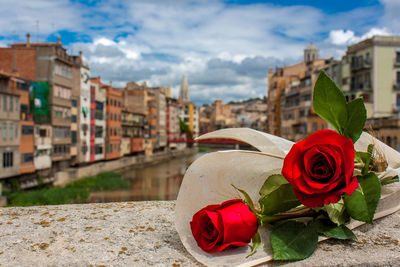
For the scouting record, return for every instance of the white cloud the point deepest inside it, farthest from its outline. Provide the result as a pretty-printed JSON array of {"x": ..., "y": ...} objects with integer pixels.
[
  {"x": 103, "y": 41},
  {"x": 347, "y": 37},
  {"x": 341, "y": 37},
  {"x": 224, "y": 50}
]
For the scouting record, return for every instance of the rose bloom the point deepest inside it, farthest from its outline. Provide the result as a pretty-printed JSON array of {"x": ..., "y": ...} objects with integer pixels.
[
  {"x": 320, "y": 168},
  {"x": 217, "y": 227}
]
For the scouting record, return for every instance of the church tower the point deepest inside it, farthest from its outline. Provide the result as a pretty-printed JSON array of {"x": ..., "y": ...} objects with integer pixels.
[
  {"x": 184, "y": 91},
  {"x": 310, "y": 53}
]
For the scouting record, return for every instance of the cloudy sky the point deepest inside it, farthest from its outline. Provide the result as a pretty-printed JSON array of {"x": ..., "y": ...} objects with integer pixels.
[{"x": 223, "y": 47}]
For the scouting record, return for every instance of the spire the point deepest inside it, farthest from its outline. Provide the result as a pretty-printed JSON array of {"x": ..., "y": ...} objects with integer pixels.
[{"x": 184, "y": 91}]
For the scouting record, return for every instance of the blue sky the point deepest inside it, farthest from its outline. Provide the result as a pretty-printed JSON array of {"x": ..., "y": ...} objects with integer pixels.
[{"x": 224, "y": 47}]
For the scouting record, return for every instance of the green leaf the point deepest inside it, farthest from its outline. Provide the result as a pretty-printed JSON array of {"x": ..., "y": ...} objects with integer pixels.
[
  {"x": 361, "y": 205},
  {"x": 329, "y": 229},
  {"x": 272, "y": 183},
  {"x": 390, "y": 180},
  {"x": 337, "y": 212},
  {"x": 246, "y": 196},
  {"x": 357, "y": 115},
  {"x": 279, "y": 200},
  {"x": 256, "y": 241},
  {"x": 329, "y": 102},
  {"x": 293, "y": 241},
  {"x": 366, "y": 158}
]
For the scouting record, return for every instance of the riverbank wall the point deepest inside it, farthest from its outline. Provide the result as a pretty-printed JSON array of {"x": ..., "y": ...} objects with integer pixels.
[{"x": 72, "y": 174}]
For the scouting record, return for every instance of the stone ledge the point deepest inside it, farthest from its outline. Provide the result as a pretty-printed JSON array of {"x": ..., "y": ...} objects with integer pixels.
[{"x": 143, "y": 234}]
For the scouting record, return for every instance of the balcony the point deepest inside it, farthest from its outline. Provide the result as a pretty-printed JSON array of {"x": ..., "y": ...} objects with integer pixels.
[
  {"x": 361, "y": 65},
  {"x": 396, "y": 86}
]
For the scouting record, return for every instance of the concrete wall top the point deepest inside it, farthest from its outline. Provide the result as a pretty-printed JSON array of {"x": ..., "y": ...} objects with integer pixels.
[{"x": 143, "y": 234}]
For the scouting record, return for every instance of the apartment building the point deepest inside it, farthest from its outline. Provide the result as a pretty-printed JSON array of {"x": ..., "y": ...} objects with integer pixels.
[
  {"x": 97, "y": 119},
  {"x": 27, "y": 140},
  {"x": 140, "y": 101},
  {"x": 161, "y": 126},
  {"x": 371, "y": 70},
  {"x": 48, "y": 63},
  {"x": 113, "y": 123},
  {"x": 289, "y": 105},
  {"x": 81, "y": 111},
  {"x": 10, "y": 125},
  {"x": 172, "y": 122}
]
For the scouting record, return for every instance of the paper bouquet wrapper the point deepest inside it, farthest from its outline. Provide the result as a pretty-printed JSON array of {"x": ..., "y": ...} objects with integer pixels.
[{"x": 210, "y": 178}]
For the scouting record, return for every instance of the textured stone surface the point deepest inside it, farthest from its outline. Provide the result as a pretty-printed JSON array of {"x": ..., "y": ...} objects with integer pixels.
[{"x": 143, "y": 234}]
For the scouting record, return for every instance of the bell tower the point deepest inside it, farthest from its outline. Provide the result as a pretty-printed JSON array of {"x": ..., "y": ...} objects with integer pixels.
[{"x": 310, "y": 53}]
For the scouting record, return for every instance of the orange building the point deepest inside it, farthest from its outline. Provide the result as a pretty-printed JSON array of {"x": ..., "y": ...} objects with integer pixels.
[
  {"x": 113, "y": 123},
  {"x": 27, "y": 139}
]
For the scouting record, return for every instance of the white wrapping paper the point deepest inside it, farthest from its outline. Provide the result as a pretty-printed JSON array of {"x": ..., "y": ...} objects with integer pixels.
[{"x": 210, "y": 178}]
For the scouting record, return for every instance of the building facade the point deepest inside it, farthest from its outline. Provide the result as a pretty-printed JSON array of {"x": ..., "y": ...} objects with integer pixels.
[
  {"x": 371, "y": 70},
  {"x": 113, "y": 123},
  {"x": 10, "y": 125},
  {"x": 290, "y": 89},
  {"x": 98, "y": 122}
]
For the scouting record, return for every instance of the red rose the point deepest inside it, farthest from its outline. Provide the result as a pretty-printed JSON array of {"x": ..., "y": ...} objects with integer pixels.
[
  {"x": 320, "y": 168},
  {"x": 217, "y": 227}
]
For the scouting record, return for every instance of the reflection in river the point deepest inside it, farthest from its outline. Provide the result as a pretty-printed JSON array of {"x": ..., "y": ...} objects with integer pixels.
[{"x": 160, "y": 181}]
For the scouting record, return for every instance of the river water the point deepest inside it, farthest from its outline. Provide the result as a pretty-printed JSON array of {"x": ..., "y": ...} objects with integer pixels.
[{"x": 160, "y": 181}]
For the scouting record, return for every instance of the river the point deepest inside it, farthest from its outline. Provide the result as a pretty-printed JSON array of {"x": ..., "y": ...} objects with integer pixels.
[{"x": 160, "y": 181}]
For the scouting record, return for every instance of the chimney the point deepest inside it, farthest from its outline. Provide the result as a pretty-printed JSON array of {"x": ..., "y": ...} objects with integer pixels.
[
  {"x": 80, "y": 55},
  {"x": 28, "y": 40},
  {"x": 58, "y": 40}
]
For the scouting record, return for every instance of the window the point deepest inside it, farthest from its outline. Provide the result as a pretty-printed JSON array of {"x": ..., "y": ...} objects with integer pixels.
[
  {"x": 62, "y": 92},
  {"x": 389, "y": 141},
  {"x": 27, "y": 130},
  {"x": 61, "y": 112},
  {"x": 11, "y": 132},
  {"x": 24, "y": 112},
  {"x": 8, "y": 159},
  {"x": 4, "y": 130},
  {"x": 84, "y": 149},
  {"x": 98, "y": 149},
  {"x": 11, "y": 103},
  {"x": 4, "y": 103},
  {"x": 73, "y": 118},
  {"x": 27, "y": 157},
  {"x": 63, "y": 70},
  {"x": 398, "y": 77},
  {"x": 42, "y": 132},
  {"x": 17, "y": 129},
  {"x": 99, "y": 131},
  {"x": 61, "y": 132},
  {"x": 22, "y": 85},
  {"x": 74, "y": 102},
  {"x": 73, "y": 137},
  {"x": 398, "y": 57}
]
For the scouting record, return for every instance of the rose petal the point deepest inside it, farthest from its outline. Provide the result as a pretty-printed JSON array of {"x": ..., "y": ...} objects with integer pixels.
[{"x": 239, "y": 223}]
